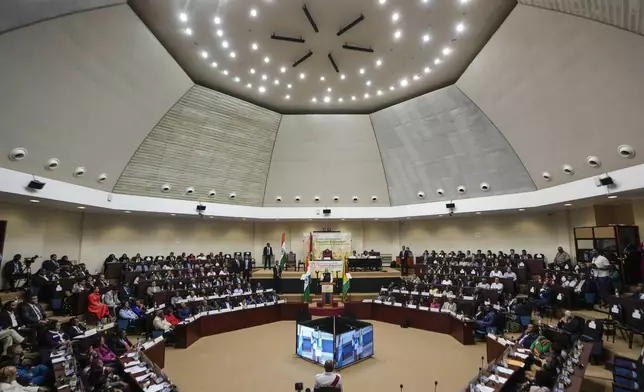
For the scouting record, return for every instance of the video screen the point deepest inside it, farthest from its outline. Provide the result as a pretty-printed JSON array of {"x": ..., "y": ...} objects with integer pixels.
[
  {"x": 314, "y": 345},
  {"x": 353, "y": 346}
]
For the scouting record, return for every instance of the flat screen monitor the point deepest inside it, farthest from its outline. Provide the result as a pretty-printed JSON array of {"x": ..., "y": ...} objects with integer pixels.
[
  {"x": 313, "y": 344},
  {"x": 353, "y": 346}
]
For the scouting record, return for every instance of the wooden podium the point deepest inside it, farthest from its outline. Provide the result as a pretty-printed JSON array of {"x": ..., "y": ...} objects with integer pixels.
[{"x": 326, "y": 288}]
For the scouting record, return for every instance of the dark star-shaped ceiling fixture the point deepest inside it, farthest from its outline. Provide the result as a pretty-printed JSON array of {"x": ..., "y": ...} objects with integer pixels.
[{"x": 301, "y": 40}]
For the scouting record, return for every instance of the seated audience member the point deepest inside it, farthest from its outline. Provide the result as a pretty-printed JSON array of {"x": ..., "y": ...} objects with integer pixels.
[
  {"x": 639, "y": 291},
  {"x": 9, "y": 337},
  {"x": 125, "y": 292},
  {"x": 78, "y": 287},
  {"x": 541, "y": 346},
  {"x": 160, "y": 323},
  {"x": 449, "y": 306},
  {"x": 119, "y": 343},
  {"x": 545, "y": 296},
  {"x": 9, "y": 383},
  {"x": 75, "y": 328},
  {"x": 561, "y": 259},
  {"x": 12, "y": 271},
  {"x": 53, "y": 338},
  {"x": 32, "y": 314},
  {"x": 126, "y": 313},
  {"x": 28, "y": 373},
  {"x": 153, "y": 289},
  {"x": 495, "y": 273},
  {"x": 238, "y": 290},
  {"x": 9, "y": 318},
  {"x": 111, "y": 259},
  {"x": 528, "y": 336},
  {"x": 111, "y": 299},
  {"x": 525, "y": 255},
  {"x": 97, "y": 377},
  {"x": 101, "y": 282},
  {"x": 435, "y": 304},
  {"x": 138, "y": 308},
  {"x": 483, "y": 284},
  {"x": 124, "y": 258},
  {"x": 510, "y": 274},
  {"x": 570, "y": 323},
  {"x": 95, "y": 306},
  {"x": 183, "y": 312},
  {"x": 103, "y": 352},
  {"x": 171, "y": 318},
  {"x": 203, "y": 307},
  {"x": 497, "y": 285},
  {"x": 488, "y": 321},
  {"x": 328, "y": 378},
  {"x": 446, "y": 281}
]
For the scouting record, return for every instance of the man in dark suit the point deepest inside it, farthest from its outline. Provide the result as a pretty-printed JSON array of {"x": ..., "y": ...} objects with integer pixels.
[
  {"x": 528, "y": 336},
  {"x": 266, "y": 255},
  {"x": 51, "y": 265},
  {"x": 74, "y": 328},
  {"x": 571, "y": 324},
  {"x": 404, "y": 254},
  {"x": 247, "y": 267},
  {"x": 119, "y": 343},
  {"x": 277, "y": 278},
  {"x": 53, "y": 337},
  {"x": 32, "y": 314},
  {"x": 11, "y": 271},
  {"x": 125, "y": 292}
]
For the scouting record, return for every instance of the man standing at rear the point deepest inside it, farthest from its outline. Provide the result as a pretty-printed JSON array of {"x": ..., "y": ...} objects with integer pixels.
[
  {"x": 603, "y": 275},
  {"x": 404, "y": 254},
  {"x": 328, "y": 378},
  {"x": 268, "y": 253}
]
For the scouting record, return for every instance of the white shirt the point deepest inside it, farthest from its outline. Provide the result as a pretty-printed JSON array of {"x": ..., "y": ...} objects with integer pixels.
[
  {"x": 483, "y": 285},
  {"x": 15, "y": 387},
  {"x": 496, "y": 274},
  {"x": 447, "y": 282},
  {"x": 238, "y": 291},
  {"x": 14, "y": 321},
  {"x": 601, "y": 262},
  {"x": 496, "y": 286},
  {"x": 326, "y": 379},
  {"x": 510, "y": 274}
]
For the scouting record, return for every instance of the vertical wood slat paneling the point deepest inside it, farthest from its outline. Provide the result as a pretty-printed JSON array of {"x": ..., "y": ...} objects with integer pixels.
[
  {"x": 625, "y": 14},
  {"x": 208, "y": 140}
]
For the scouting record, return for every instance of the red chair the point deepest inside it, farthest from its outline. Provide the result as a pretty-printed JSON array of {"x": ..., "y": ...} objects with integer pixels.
[{"x": 327, "y": 253}]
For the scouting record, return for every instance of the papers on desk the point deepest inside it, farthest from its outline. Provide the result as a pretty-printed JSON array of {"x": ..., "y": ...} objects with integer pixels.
[
  {"x": 423, "y": 308},
  {"x": 377, "y": 301},
  {"x": 106, "y": 326},
  {"x": 434, "y": 310},
  {"x": 143, "y": 377},
  {"x": 523, "y": 350},
  {"x": 251, "y": 306},
  {"x": 519, "y": 364},
  {"x": 129, "y": 355},
  {"x": 519, "y": 355},
  {"x": 395, "y": 291},
  {"x": 132, "y": 363},
  {"x": 491, "y": 336},
  {"x": 88, "y": 333},
  {"x": 58, "y": 360},
  {"x": 504, "y": 370},
  {"x": 483, "y": 388},
  {"x": 498, "y": 379},
  {"x": 281, "y": 301},
  {"x": 468, "y": 298},
  {"x": 147, "y": 345},
  {"x": 210, "y": 313},
  {"x": 397, "y": 304},
  {"x": 158, "y": 339},
  {"x": 154, "y": 388},
  {"x": 425, "y": 293},
  {"x": 134, "y": 369},
  {"x": 367, "y": 300}
]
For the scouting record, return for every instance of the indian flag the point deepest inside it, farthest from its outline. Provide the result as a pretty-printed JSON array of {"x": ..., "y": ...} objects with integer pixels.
[
  {"x": 307, "y": 283},
  {"x": 346, "y": 279},
  {"x": 283, "y": 259}
]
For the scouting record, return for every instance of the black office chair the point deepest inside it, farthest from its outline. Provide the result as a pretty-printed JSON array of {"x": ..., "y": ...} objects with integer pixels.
[
  {"x": 593, "y": 332},
  {"x": 327, "y": 389}
]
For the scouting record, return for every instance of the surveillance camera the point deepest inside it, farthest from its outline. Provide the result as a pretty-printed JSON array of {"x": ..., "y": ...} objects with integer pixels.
[
  {"x": 101, "y": 177},
  {"x": 461, "y": 189},
  {"x": 298, "y": 198},
  {"x": 420, "y": 195},
  {"x": 278, "y": 199},
  {"x": 212, "y": 193}
]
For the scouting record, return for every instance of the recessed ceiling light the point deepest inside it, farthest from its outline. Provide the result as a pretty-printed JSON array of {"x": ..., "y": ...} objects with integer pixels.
[
  {"x": 34, "y": 201},
  {"x": 379, "y": 92},
  {"x": 353, "y": 98},
  {"x": 183, "y": 17},
  {"x": 368, "y": 82},
  {"x": 392, "y": 88},
  {"x": 366, "y": 96},
  {"x": 237, "y": 79},
  {"x": 267, "y": 59},
  {"x": 397, "y": 34},
  {"x": 378, "y": 63},
  {"x": 395, "y": 16},
  {"x": 214, "y": 64},
  {"x": 437, "y": 61},
  {"x": 283, "y": 69},
  {"x": 233, "y": 54},
  {"x": 252, "y": 70},
  {"x": 277, "y": 82},
  {"x": 261, "y": 89},
  {"x": 521, "y": 209},
  {"x": 328, "y": 89},
  {"x": 403, "y": 82},
  {"x": 322, "y": 78},
  {"x": 302, "y": 76},
  {"x": 254, "y": 46},
  {"x": 225, "y": 72},
  {"x": 204, "y": 54},
  {"x": 314, "y": 99},
  {"x": 81, "y": 207},
  {"x": 464, "y": 1},
  {"x": 217, "y": 20},
  {"x": 288, "y": 86},
  {"x": 383, "y": 1},
  {"x": 612, "y": 196},
  {"x": 287, "y": 97},
  {"x": 220, "y": 33},
  {"x": 416, "y": 77},
  {"x": 460, "y": 27},
  {"x": 339, "y": 99},
  {"x": 426, "y": 38},
  {"x": 361, "y": 71},
  {"x": 342, "y": 76},
  {"x": 264, "y": 77},
  {"x": 127, "y": 212},
  {"x": 327, "y": 99},
  {"x": 427, "y": 70},
  {"x": 249, "y": 85},
  {"x": 447, "y": 51},
  {"x": 567, "y": 205},
  {"x": 253, "y": 12},
  {"x": 188, "y": 31}
]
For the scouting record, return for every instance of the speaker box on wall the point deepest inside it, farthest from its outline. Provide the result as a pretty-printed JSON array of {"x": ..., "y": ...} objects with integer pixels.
[
  {"x": 326, "y": 211},
  {"x": 36, "y": 185},
  {"x": 450, "y": 205},
  {"x": 201, "y": 208}
]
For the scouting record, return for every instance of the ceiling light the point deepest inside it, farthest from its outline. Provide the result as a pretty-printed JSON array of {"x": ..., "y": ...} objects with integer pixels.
[
  {"x": 328, "y": 89},
  {"x": 34, "y": 201},
  {"x": 353, "y": 98},
  {"x": 220, "y": 33},
  {"x": 612, "y": 196},
  {"x": 426, "y": 38},
  {"x": 368, "y": 82},
  {"x": 567, "y": 205},
  {"x": 252, "y": 70},
  {"x": 464, "y": 1},
  {"x": 397, "y": 34},
  {"x": 214, "y": 64},
  {"x": 447, "y": 51},
  {"x": 262, "y": 89},
  {"x": 378, "y": 63},
  {"x": 233, "y": 55},
  {"x": 478, "y": 213},
  {"x": 264, "y": 77},
  {"x": 361, "y": 71},
  {"x": 427, "y": 70},
  {"x": 81, "y": 207},
  {"x": 460, "y": 27},
  {"x": 225, "y": 72},
  {"x": 416, "y": 77},
  {"x": 342, "y": 76},
  {"x": 204, "y": 54},
  {"x": 254, "y": 46},
  {"x": 283, "y": 69},
  {"x": 327, "y": 99},
  {"x": 277, "y": 82},
  {"x": 395, "y": 16},
  {"x": 249, "y": 85},
  {"x": 217, "y": 20},
  {"x": 379, "y": 92},
  {"x": 253, "y": 12},
  {"x": 287, "y": 97},
  {"x": 366, "y": 96},
  {"x": 183, "y": 17},
  {"x": 188, "y": 31},
  {"x": 302, "y": 76},
  {"x": 127, "y": 212},
  {"x": 437, "y": 61},
  {"x": 237, "y": 79},
  {"x": 267, "y": 60},
  {"x": 314, "y": 99},
  {"x": 288, "y": 86},
  {"x": 383, "y": 1},
  {"x": 403, "y": 82},
  {"x": 339, "y": 99},
  {"x": 322, "y": 78},
  {"x": 224, "y": 44},
  {"x": 391, "y": 88}
]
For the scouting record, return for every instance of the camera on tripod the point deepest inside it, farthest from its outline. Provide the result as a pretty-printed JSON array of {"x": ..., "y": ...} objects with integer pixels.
[{"x": 30, "y": 260}]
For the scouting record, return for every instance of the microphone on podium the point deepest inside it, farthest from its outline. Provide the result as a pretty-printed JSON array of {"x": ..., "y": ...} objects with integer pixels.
[{"x": 482, "y": 361}]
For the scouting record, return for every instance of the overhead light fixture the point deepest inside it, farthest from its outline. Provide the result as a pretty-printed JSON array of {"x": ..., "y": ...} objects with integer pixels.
[
  {"x": 249, "y": 85},
  {"x": 253, "y": 13},
  {"x": 427, "y": 70},
  {"x": 361, "y": 71},
  {"x": 34, "y": 201},
  {"x": 426, "y": 38},
  {"x": 237, "y": 79},
  {"x": 188, "y": 31},
  {"x": 302, "y": 59},
  {"x": 217, "y": 20},
  {"x": 214, "y": 64},
  {"x": 416, "y": 77},
  {"x": 567, "y": 205},
  {"x": 382, "y": 1},
  {"x": 404, "y": 82},
  {"x": 437, "y": 61},
  {"x": 342, "y": 76},
  {"x": 357, "y": 48},
  {"x": 447, "y": 51},
  {"x": 264, "y": 77},
  {"x": 395, "y": 16},
  {"x": 276, "y": 82},
  {"x": 368, "y": 82},
  {"x": 204, "y": 54},
  {"x": 392, "y": 88},
  {"x": 267, "y": 60},
  {"x": 298, "y": 40},
  {"x": 328, "y": 89},
  {"x": 460, "y": 27},
  {"x": 288, "y": 86},
  {"x": 252, "y": 70},
  {"x": 283, "y": 69},
  {"x": 397, "y": 34},
  {"x": 254, "y": 46},
  {"x": 302, "y": 76},
  {"x": 220, "y": 33},
  {"x": 314, "y": 99},
  {"x": 224, "y": 44},
  {"x": 353, "y": 98},
  {"x": 233, "y": 54},
  {"x": 339, "y": 99},
  {"x": 327, "y": 99},
  {"x": 225, "y": 72},
  {"x": 287, "y": 97},
  {"x": 379, "y": 92},
  {"x": 262, "y": 89},
  {"x": 366, "y": 96},
  {"x": 310, "y": 19},
  {"x": 81, "y": 207},
  {"x": 350, "y": 25},
  {"x": 183, "y": 17}
]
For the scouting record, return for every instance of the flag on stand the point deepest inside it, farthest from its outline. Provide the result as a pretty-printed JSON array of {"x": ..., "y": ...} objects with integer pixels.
[
  {"x": 283, "y": 259},
  {"x": 346, "y": 278},
  {"x": 307, "y": 283}
]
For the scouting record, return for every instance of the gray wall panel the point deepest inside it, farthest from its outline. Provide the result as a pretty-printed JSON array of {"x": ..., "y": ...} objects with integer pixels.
[
  {"x": 208, "y": 140},
  {"x": 442, "y": 140}
]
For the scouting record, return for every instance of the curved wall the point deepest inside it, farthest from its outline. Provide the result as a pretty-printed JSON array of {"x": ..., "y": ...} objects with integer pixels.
[{"x": 561, "y": 88}]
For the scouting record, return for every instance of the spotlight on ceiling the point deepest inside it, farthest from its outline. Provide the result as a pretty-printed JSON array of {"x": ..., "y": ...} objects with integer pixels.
[{"x": 350, "y": 25}]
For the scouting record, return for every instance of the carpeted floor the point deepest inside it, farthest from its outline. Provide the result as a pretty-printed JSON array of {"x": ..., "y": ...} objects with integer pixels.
[{"x": 263, "y": 359}]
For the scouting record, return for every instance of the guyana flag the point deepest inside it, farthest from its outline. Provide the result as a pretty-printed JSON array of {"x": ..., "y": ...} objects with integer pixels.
[
  {"x": 283, "y": 259},
  {"x": 346, "y": 278}
]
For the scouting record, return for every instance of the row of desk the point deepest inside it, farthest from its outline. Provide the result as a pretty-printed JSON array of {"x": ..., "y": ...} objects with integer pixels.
[
  {"x": 521, "y": 272},
  {"x": 461, "y": 330},
  {"x": 364, "y": 263}
]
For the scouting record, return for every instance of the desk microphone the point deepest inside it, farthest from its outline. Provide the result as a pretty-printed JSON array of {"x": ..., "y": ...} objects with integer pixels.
[
  {"x": 435, "y": 385},
  {"x": 401, "y": 387}
]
